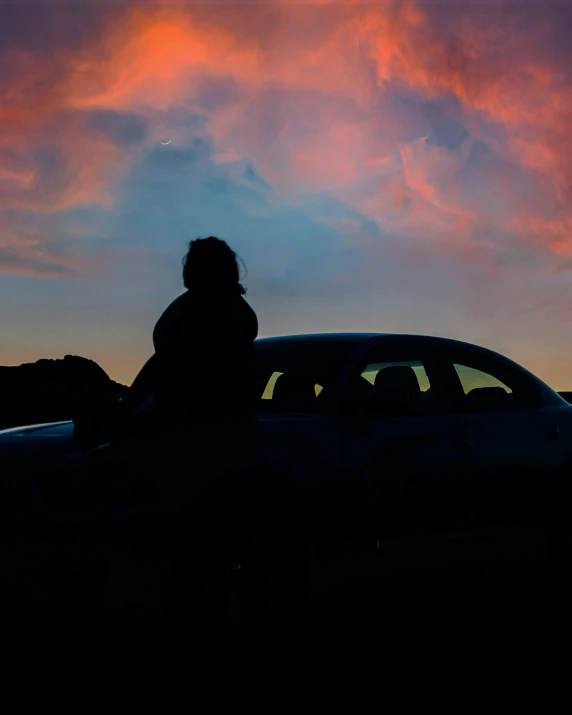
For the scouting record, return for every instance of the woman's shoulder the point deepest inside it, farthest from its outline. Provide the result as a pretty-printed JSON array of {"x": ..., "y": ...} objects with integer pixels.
[
  {"x": 175, "y": 312},
  {"x": 250, "y": 316},
  {"x": 180, "y": 304}
]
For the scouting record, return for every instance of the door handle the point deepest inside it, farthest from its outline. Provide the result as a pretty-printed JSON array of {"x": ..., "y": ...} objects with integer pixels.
[
  {"x": 464, "y": 445},
  {"x": 553, "y": 431}
]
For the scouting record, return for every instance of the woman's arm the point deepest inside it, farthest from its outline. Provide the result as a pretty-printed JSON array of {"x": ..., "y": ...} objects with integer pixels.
[{"x": 142, "y": 386}]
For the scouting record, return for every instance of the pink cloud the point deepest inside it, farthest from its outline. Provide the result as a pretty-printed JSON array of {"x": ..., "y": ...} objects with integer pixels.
[{"x": 312, "y": 106}]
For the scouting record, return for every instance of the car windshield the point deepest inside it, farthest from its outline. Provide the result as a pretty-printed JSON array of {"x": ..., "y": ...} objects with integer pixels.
[{"x": 293, "y": 373}]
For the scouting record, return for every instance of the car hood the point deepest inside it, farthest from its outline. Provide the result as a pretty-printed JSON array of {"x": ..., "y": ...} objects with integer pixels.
[
  {"x": 28, "y": 441},
  {"x": 46, "y": 429}
]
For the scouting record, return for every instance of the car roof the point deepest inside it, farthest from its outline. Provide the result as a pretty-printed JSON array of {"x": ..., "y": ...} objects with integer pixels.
[
  {"x": 321, "y": 337},
  {"x": 364, "y": 337},
  {"x": 428, "y": 341}
]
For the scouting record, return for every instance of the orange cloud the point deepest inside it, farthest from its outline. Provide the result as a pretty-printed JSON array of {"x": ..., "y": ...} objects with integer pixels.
[
  {"x": 555, "y": 234},
  {"x": 308, "y": 101}
]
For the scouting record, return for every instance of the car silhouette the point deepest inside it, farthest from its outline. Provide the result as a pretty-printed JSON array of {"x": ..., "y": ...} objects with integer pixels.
[{"x": 373, "y": 459}]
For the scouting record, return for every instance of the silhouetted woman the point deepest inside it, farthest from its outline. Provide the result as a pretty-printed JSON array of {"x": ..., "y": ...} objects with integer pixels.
[
  {"x": 203, "y": 368},
  {"x": 204, "y": 341}
]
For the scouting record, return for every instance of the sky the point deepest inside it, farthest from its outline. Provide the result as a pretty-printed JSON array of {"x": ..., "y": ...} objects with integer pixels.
[{"x": 393, "y": 166}]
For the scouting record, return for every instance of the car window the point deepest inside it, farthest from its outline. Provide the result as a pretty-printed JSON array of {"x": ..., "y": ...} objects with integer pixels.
[
  {"x": 293, "y": 374},
  {"x": 372, "y": 370},
  {"x": 483, "y": 391},
  {"x": 472, "y": 379},
  {"x": 394, "y": 388},
  {"x": 268, "y": 392}
]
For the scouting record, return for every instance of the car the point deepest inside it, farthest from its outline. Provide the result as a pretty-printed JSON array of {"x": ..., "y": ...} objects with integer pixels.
[{"x": 372, "y": 459}]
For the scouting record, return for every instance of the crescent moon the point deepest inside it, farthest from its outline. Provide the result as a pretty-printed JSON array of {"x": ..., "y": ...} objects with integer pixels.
[{"x": 165, "y": 143}]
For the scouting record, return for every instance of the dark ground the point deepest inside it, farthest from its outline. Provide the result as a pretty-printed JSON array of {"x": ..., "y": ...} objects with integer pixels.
[{"x": 504, "y": 643}]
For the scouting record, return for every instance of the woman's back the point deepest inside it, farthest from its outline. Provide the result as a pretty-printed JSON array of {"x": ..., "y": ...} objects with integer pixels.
[
  {"x": 195, "y": 317},
  {"x": 204, "y": 343}
]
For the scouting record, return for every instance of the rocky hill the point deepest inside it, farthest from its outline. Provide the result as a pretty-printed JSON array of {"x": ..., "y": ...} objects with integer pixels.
[{"x": 50, "y": 390}]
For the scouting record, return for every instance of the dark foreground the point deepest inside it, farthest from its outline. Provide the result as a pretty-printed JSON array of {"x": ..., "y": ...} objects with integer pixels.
[{"x": 505, "y": 641}]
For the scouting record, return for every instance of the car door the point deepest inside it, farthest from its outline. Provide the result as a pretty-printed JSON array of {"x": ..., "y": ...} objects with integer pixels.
[
  {"x": 515, "y": 457},
  {"x": 92, "y": 536},
  {"x": 405, "y": 464}
]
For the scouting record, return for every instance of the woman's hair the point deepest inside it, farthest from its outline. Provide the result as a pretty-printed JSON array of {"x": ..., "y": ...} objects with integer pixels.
[{"x": 211, "y": 263}]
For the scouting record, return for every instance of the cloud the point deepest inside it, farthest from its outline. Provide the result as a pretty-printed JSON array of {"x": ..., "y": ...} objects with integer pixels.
[
  {"x": 121, "y": 129},
  {"x": 314, "y": 110},
  {"x": 317, "y": 136}
]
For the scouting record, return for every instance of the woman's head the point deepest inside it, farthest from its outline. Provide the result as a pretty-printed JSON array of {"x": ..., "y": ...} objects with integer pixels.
[{"x": 211, "y": 263}]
